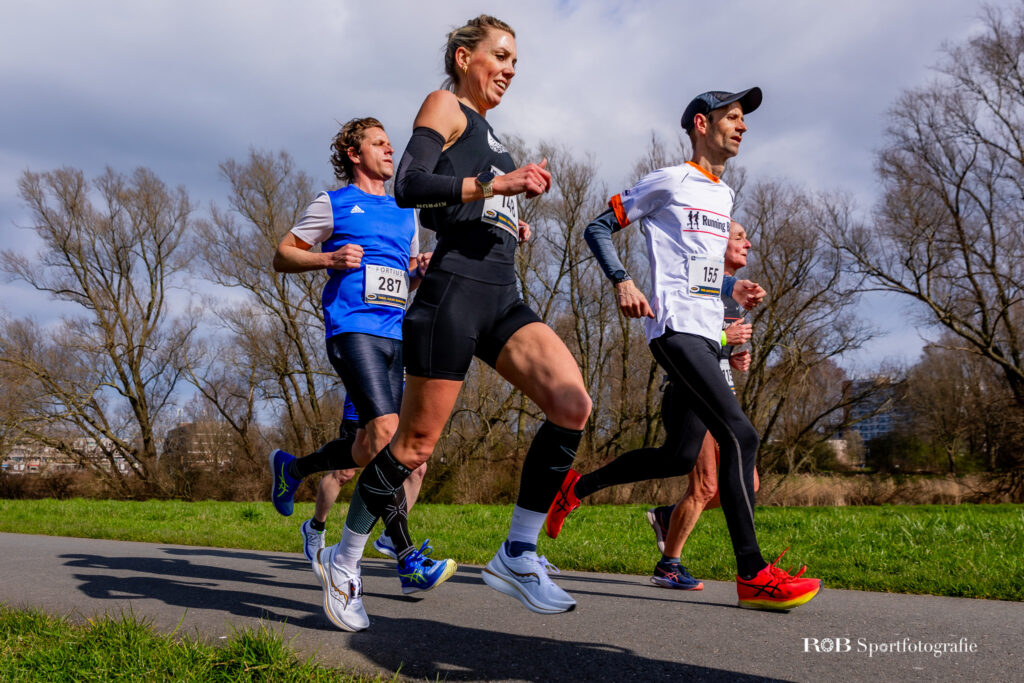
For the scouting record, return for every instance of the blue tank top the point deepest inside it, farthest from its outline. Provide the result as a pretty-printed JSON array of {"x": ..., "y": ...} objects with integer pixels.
[
  {"x": 369, "y": 299},
  {"x": 350, "y": 414}
]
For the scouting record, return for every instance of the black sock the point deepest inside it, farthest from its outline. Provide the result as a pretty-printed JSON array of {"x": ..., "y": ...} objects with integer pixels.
[
  {"x": 333, "y": 455},
  {"x": 546, "y": 464},
  {"x": 749, "y": 564},
  {"x": 641, "y": 464},
  {"x": 396, "y": 524},
  {"x": 375, "y": 490},
  {"x": 317, "y": 525}
]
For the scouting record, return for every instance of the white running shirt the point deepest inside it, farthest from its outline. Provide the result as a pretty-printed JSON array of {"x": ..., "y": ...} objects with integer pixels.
[{"x": 684, "y": 214}]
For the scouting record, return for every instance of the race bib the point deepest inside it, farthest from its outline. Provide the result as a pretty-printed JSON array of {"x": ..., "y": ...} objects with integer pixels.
[
  {"x": 384, "y": 286},
  {"x": 723, "y": 363},
  {"x": 705, "y": 276},
  {"x": 502, "y": 211}
]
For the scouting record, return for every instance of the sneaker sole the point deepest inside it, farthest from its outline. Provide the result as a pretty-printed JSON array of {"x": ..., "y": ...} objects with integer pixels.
[
  {"x": 652, "y": 519},
  {"x": 449, "y": 571},
  {"x": 325, "y": 581},
  {"x": 384, "y": 550},
  {"x": 779, "y": 606},
  {"x": 511, "y": 587},
  {"x": 665, "y": 583}
]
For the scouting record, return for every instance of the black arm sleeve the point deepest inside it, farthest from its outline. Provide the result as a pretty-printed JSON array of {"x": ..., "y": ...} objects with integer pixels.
[
  {"x": 599, "y": 238},
  {"x": 416, "y": 185}
]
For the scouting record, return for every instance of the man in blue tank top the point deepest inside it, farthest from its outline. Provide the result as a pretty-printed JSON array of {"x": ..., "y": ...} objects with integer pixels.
[{"x": 369, "y": 247}]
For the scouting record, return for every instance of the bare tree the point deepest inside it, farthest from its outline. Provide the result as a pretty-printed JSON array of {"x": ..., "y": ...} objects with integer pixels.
[
  {"x": 947, "y": 231},
  {"x": 274, "y": 332},
  {"x": 795, "y": 393},
  {"x": 103, "y": 378}
]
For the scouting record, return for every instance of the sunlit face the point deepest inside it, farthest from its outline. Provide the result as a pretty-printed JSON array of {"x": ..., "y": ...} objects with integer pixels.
[
  {"x": 374, "y": 155},
  {"x": 724, "y": 131},
  {"x": 736, "y": 250},
  {"x": 487, "y": 71}
]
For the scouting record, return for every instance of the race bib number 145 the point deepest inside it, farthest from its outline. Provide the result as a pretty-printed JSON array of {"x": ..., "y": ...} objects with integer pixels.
[{"x": 502, "y": 211}]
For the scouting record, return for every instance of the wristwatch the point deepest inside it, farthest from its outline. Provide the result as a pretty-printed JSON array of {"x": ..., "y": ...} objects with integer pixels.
[
  {"x": 486, "y": 182},
  {"x": 620, "y": 276}
]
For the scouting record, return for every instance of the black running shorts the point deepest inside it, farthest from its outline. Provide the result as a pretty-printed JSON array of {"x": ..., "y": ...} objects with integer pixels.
[
  {"x": 371, "y": 369},
  {"x": 454, "y": 318}
]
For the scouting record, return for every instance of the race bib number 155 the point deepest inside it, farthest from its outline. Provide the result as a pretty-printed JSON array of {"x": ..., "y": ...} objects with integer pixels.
[{"x": 705, "y": 276}]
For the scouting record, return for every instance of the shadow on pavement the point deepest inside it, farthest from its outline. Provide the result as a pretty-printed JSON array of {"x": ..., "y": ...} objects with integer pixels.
[{"x": 444, "y": 651}]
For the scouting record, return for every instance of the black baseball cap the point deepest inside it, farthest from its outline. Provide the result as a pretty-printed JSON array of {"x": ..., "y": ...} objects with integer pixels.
[{"x": 749, "y": 99}]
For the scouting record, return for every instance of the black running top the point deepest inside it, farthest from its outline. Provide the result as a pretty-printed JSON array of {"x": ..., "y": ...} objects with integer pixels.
[{"x": 467, "y": 245}]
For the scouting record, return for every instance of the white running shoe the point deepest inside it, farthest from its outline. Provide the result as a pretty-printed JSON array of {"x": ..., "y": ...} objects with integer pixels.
[
  {"x": 343, "y": 593},
  {"x": 385, "y": 546},
  {"x": 526, "y": 578},
  {"x": 312, "y": 540}
]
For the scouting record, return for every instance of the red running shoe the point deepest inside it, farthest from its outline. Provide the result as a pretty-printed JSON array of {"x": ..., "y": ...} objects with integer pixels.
[
  {"x": 565, "y": 502},
  {"x": 775, "y": 589}
]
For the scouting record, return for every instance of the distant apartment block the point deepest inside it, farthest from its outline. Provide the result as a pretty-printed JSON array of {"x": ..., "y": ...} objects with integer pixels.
[
  {"x": 32, "y": 458},
  {"x": 881, "y": 412}
]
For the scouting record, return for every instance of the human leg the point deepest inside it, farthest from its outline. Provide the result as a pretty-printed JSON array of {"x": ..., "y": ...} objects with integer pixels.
[
  {"x": 536, "y": 361},
  {"x": 691, "y": 362},
  {"x": 703, "y": 486}
]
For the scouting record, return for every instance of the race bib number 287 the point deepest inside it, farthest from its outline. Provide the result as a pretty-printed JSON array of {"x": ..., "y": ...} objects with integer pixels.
[{"x": 384, "y": 286}]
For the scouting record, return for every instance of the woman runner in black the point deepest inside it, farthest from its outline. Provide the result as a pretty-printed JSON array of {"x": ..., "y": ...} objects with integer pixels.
[{"x": 466, "y": 185}]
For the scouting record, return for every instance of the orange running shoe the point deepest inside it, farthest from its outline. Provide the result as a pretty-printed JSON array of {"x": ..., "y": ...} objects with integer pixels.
[
  {"x": 565, "y": 502},
  {"x": 775, "y": 589}
]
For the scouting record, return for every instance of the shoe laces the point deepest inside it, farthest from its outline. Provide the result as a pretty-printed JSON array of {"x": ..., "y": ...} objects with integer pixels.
[
  {"x": 420, "y": 556},
  {"x": 785, "y": 574}
]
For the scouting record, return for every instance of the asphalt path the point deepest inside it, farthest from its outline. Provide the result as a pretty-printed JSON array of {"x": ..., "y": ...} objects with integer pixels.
[{"x": 622, "y": 629}]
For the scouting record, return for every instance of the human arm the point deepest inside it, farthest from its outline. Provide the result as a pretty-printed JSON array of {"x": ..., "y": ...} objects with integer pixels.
[
  {"x": 418, "y": 268},
  {"x": 438, "y": 125},
  {"x": 525, "y": 233},
  {"x": 294, "y": 253},
  {"x": 598, "y": 236},
  {"x": 748, "y": 294},
  {"x": 738, "y": 333},
  {"x": 294, "y": 256},
  {"x": 740, "y": 361}
]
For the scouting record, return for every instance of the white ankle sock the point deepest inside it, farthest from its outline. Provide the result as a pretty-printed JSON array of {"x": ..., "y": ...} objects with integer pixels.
[
  {"x": 526, "y": 525},
  {"x": 349, "y": 550}
]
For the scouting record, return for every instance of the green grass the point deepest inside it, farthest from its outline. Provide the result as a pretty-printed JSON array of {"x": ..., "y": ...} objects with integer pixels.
[
  {"x": 37, "y": 647},
  {"x": 963, "y": 550}
]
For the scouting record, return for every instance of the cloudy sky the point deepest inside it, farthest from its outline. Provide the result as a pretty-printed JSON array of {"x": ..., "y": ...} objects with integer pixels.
[{"x": 181, "y": 86}]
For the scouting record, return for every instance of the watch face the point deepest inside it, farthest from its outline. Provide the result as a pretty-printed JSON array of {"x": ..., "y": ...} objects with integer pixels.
[{"x": 485, "y": 177}]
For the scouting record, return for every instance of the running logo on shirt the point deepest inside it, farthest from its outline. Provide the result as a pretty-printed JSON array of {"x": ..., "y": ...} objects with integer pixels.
[
  {"x": 495, "y": 146},
  {"x": 356, "y": 209}
]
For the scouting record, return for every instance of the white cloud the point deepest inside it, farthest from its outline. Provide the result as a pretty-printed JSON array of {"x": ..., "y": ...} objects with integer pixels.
[{"x": 181, "y": 86}]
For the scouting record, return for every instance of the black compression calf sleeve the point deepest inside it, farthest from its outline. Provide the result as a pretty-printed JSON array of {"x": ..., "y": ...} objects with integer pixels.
[
  {"x": 416, "y": 184},
  {"x": 396, "y": 523},
  {"x": 641, "y": 464},
  {"x": 333, "y": 455},
  {"x": 375, "y": 490},
  {"x": 546, "y": 464}
]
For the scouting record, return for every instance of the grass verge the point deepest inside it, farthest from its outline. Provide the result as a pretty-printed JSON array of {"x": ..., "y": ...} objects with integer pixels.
[
  {"x": 974, "y": 551},
  {"x": 37, "y": 647}
]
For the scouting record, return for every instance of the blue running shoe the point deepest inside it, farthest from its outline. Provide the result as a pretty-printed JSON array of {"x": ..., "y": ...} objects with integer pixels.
[
  {"x": 420, "y": 573},
  {"x": 385, "y": 546},
  {"x": 675, "y": 575},
  {"x": 283, "y": 485}
]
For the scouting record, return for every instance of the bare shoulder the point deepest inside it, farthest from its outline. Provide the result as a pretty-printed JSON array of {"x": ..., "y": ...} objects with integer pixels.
[{"x": 441, "y": 112}]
